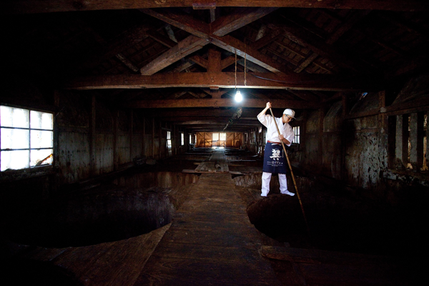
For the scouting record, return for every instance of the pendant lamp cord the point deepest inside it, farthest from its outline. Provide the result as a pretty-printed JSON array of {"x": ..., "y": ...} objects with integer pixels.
[{"x": 235, "y": 69}]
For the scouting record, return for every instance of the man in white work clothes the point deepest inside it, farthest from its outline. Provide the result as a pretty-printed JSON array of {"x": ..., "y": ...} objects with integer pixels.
[{"x": 274, "y": 157}]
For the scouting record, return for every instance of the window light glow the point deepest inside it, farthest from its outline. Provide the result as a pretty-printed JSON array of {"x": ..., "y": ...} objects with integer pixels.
[
  {"x": 27, "y": 138},
  {"x": 238, "y": 97}
]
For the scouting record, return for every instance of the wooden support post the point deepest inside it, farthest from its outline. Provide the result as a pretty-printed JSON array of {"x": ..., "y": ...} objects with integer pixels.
[
  {"x": 345, "y": 104},
  {"x": 173, "y": 140},
  {"x": 401, "y": 147},
  {"x": 91, "y": 135},
  {"x": 153, "y": 137},
  {"x": 214, "y": 61},
  {"x": 426, "y": 150},
  {"x": 56, "y": 144},
  {"x": 160, "y": 140},
  {"x": 57, "y": 103},
  {"x": 143, "y": 153},
  {"x": 383, "y": 129},
  {"x": 391, "y": 141},
  {"x": 416, "y": 140},
  {"x": 320, "y": 135},
  {"x": 131, "y": 134},
  {"x": 115, "y": 139}
]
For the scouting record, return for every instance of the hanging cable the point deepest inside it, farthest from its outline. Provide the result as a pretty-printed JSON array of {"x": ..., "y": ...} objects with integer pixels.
[
  {"x": 235, "y": 69},
  {"x": 245, "y": 56}
]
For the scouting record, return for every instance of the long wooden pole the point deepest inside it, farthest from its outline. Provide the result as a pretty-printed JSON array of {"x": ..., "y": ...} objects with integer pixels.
[{"x": 291, "y": 172}]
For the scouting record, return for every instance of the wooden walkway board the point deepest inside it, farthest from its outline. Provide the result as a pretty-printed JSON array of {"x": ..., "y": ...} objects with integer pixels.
[
  {"x": 215, "y": 164},
  {"x": 210, "y": 242},
  {"x": 110, "y": 263}
]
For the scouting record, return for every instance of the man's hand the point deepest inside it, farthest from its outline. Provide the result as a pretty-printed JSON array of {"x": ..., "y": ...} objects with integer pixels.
[
  {"x": 284, "y": 140},
  {"x": 268, "y": 105}
]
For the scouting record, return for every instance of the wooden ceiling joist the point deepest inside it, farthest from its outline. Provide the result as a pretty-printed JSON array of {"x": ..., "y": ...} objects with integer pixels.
[
  {"x": 182, "y": 49},
  {"x": 239, "y": 18},
  {"x": 217, "y": 103},
  {"x": 319, "y": 46},
  {"x": 225, "y": 80},
  {"x": 49, "y": 6},
  {"x": 228, "y": 43}
]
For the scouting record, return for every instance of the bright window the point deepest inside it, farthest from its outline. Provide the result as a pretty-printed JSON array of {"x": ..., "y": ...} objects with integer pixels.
[
  {"x": 296, "y": 132},
  {"x": 182, "y": 139},
  {"x": 408, "y": 142},
  {"x": 169, "y": 139},
  {"x": 27, "y": 138},
  {"x": 215, "y": 136}
]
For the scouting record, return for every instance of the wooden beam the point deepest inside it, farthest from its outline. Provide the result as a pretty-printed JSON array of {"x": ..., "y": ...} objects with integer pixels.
[
  {"x": 182, "y": 49},
  {"x": 304, "y": 95},
  {"x": 234, "y": 45},
  {"x": 251, "y": 66},
  {"x": 202, "y": 30},
  {"x": 215, "y": 93},
  {"x": 238, "y": 19},
  {"x": 226, "y": 80},
  {"x": 127, "y": 62},
  {"x": 304, "y": 64},
  {"x": 183, "y": 66},
  {"x": 190, "y": 114},
  {"x": 181, "y": 20},
  {"x": 199, "y": 60},
  {"x": 319, "y": 46},
  {"x": 228, "y": 61},
  {"x": 49, "y": 6},
  {"x": 92, "y": 135},
  {"x": 114, "y": 47},
  {"x": 161, "y": 39},
  {"x": 267, "y": 39},
  {"x": 214, "y": 120},
  {"x": 214, "y": 61},
  {"x": 218, "y": 102}
]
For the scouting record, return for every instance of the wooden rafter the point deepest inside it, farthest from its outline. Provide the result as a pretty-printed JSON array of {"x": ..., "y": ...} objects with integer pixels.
[
  {"x": 319, "y": 46},
  {"x": 112, "y": 48},
  {"x": 182, "y": 49},
  {"x": 215, "y": 93},
  {"x": 201, "y": 29},
  {"x": 226, "y": 80},
  {"x": 218, "y": 102},
  {"x": 239, "y": 18},
  {"x": 199, "y": 60}
]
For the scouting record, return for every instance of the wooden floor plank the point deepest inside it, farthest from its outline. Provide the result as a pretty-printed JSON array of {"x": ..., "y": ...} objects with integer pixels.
[
  {"x": 111, "y": 263},
  {"x": 211, "y": 241}
]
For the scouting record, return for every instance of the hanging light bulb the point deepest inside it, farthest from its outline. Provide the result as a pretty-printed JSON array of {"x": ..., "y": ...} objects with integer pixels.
[{"x": 238, "y": 97}]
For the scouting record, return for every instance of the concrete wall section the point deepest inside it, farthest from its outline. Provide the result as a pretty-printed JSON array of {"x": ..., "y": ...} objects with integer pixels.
[
  {"x": 311, "y": 137},
  {"x": 95, "y": 138},
  {"x": 104, "y": 153},
  {"x": 363, "y": 161},
  {"x": 73, "y": 160},
  {"x": 332, "y": 141}
]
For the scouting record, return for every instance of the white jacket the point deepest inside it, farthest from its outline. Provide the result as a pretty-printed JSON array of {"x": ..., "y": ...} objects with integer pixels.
[{"x": 272, "y": 133}]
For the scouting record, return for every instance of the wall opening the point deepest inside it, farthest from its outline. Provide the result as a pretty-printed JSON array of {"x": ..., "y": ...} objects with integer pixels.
[{"x": 27, "y": 138}]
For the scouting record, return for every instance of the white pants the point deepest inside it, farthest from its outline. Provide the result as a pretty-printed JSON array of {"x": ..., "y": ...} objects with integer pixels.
[{"x": 266, "y": 178}]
